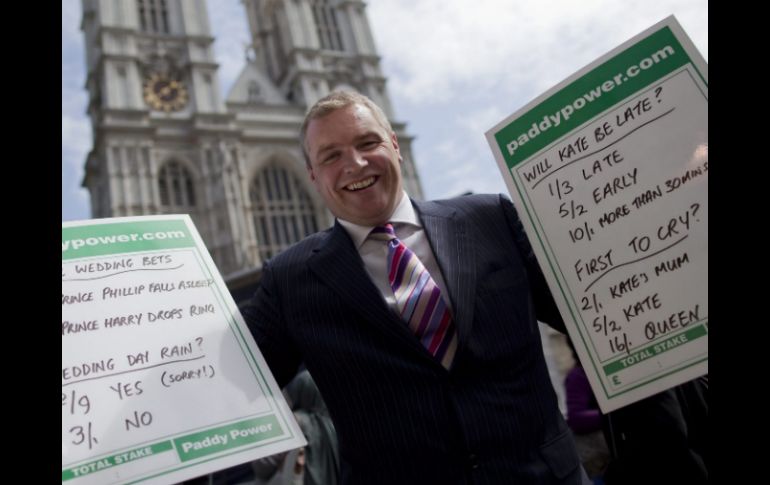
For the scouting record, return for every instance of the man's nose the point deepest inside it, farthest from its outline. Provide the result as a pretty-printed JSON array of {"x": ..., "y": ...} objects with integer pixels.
[{"x": 354, "y": 160}]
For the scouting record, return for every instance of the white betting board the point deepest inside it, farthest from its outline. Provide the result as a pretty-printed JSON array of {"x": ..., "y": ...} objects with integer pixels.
[
  {"x": 161, "y": 380},
  {"x": 609, "y": 172}
]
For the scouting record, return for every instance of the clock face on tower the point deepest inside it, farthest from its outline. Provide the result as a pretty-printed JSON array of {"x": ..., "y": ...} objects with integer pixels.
[{"x": 164, "y": 93}]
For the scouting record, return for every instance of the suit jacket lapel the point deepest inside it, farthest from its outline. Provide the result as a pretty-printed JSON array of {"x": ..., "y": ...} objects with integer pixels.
[
  {"x": 338, "y": 265},
  {"x": 452, "y": 246}
]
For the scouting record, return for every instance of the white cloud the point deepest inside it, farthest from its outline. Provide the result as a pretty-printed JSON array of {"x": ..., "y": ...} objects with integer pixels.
[
  {"x": 230, "y": 29},
  {"x": 76, "y": 139},
  {"x": 458, "y": 159},
  {"x": 70, "y": 26},
  {"x": 481, "y": 119},
  {"x": 436, "y": 50}
]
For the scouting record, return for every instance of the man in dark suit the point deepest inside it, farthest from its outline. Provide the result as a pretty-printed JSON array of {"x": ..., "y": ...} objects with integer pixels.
[{"x": 468, "y": 400}]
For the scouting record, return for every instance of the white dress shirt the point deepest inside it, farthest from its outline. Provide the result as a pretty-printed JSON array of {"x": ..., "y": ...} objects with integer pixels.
[{"x": 375, "y": 252}]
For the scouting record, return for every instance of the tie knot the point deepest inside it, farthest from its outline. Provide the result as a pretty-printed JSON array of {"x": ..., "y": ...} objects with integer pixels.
[{"x": 383, "y": 233}]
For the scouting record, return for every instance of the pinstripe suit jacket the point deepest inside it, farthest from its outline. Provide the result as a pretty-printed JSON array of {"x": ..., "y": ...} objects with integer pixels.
[{"x": 400, "y": 416}]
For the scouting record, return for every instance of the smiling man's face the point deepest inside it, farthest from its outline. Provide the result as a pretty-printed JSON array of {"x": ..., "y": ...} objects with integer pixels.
[{"x": 355, "y": 165}]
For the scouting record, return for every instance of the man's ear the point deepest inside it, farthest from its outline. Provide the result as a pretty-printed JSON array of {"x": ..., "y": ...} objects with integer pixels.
[
  {"x": 310, "y": 172},
  {"x": 394, "y": 141}
]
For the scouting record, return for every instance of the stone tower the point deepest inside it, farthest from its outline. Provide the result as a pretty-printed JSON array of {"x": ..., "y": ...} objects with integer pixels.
[{"x": 165, "y": 141}]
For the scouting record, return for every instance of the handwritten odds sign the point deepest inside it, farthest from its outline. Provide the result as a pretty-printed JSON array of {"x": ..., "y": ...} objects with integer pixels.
[
  {"x": 609, "y": 171},
  {"x": 160, "y": 381}
]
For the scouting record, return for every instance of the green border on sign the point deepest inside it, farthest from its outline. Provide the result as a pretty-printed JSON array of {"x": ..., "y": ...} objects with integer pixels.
[
  {"x": 124, "y": 237},
  {"x": 661, "y": 46}
]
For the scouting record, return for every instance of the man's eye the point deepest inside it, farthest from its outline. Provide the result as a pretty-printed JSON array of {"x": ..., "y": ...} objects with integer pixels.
[
  {"x": 330, "y": 157},
  {"x": 368, "y": 145}
]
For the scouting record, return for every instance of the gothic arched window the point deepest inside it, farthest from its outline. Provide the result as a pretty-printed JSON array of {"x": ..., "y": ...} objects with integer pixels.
[
  {"x": 283, "y": 211},
  {"x": 175, "y": 184},
  {"x": 325, "y": 17},
  {"x": 153, "y": 16}
]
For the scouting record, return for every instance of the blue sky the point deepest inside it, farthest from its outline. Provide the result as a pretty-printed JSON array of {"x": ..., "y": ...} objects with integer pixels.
[{"x": 453, "y": 72}]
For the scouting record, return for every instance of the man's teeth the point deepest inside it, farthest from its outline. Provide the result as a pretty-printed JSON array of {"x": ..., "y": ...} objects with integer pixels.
[{"x": 361, "y": 185}]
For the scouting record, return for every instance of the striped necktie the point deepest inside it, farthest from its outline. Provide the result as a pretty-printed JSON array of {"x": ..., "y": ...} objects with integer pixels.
[{"x": 418, "y": 298}]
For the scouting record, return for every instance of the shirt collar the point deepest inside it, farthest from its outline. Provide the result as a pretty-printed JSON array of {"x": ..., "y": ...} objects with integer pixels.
[{"x": 403, "y": 214}]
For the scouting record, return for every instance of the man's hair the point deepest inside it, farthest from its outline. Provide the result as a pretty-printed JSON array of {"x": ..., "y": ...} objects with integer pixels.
[{"x": 338, "y": 100}]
